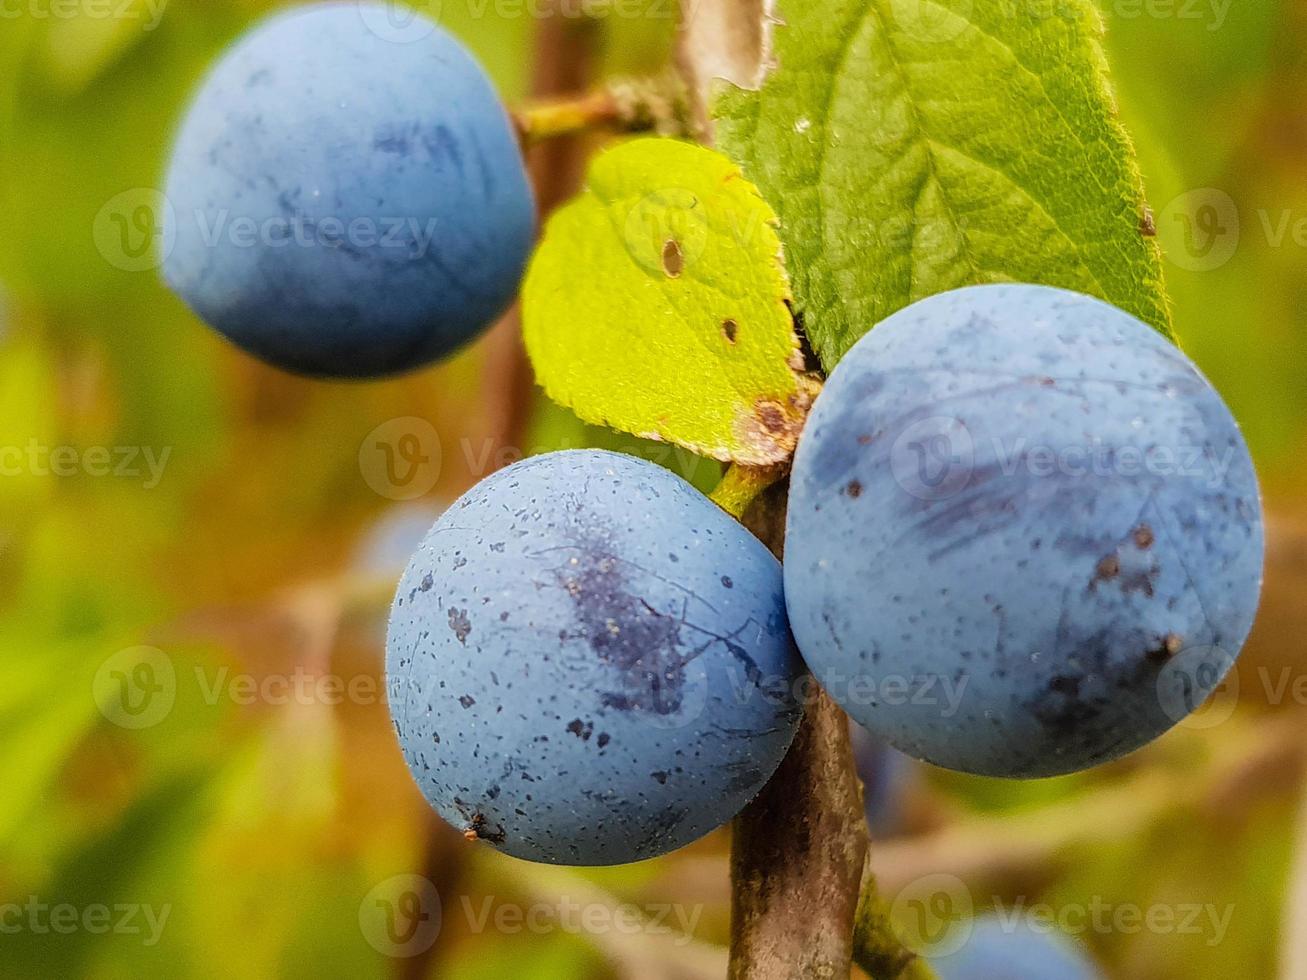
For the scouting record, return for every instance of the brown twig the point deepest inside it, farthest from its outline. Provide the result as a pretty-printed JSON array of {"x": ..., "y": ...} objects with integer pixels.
[{"x": 797, "y": 858}]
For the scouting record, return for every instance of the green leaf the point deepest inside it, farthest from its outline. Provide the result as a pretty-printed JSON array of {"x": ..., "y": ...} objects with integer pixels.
[
  {"x": 657, "y": 303},
  {"x": 915, "y": 146}
]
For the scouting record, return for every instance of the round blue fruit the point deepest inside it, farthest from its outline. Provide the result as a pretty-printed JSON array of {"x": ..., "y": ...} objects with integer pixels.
[
  {"x": 344, "y": 201},
  {"x": 1024, "y": 533},
  {"x": 996, "y": 950},
  {"x": 589, "y": 663}
]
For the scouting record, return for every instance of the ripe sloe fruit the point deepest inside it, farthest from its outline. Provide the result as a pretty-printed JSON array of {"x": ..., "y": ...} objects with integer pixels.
[
  {"x": 344, "y": 205},
  {"x": 588, "y": 662},
  {"x": 1024, "y": 534}
]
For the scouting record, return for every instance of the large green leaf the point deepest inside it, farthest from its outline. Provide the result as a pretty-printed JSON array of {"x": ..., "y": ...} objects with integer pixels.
[
  {"x": 657, "y": 304},
  {"x": 914, "y": 146}
]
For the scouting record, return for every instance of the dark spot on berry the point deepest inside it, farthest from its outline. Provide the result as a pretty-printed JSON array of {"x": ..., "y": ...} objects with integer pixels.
[
  {"x": 582, "y": 730},
  {"x": 1108, "y": 569},
  {"x": 460, "y": 624}
]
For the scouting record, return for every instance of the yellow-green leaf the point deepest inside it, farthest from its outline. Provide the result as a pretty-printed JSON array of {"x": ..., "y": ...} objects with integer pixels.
[{"x": 657, "y": 303}]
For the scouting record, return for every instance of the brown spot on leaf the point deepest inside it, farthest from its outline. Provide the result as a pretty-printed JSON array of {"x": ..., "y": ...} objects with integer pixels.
[
  {"x": 1143, "y": 536},
  {"x": 673, "y": 258},
  {"x": 729, "y": 330},
  {"x": 1107, "y": 569},
  {"x": 854, "y": 489},
  {"x": 1147, "y": 225},
  {"x": 771, "y": 416},
  {"x": 769, "y": 433}
]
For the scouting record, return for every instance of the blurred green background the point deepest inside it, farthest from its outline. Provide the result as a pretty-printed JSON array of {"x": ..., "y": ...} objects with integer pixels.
[{"x": 177, "y": 517}]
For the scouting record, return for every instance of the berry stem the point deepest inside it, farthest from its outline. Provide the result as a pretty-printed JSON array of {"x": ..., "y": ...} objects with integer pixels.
[
  {"x": 632, "y": 105},
  {"x": 740, "y": 486},
  {"x": 567, "y": 115}
]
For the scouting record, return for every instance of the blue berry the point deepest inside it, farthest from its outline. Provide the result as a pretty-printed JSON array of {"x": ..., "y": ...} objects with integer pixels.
[
  {"x": 1024, "y": 533},
  {"x": 996, "y": 950},
  {"x": 589, "y": 663},
  {"x": 344, "y": 203}
]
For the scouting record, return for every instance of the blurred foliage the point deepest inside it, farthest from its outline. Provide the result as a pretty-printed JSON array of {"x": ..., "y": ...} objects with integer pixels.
[{"x": 264, "y": 550}]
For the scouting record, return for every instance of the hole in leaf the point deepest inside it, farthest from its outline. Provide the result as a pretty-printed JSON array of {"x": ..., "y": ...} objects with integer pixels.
[{"x": 673, "y": 259}]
